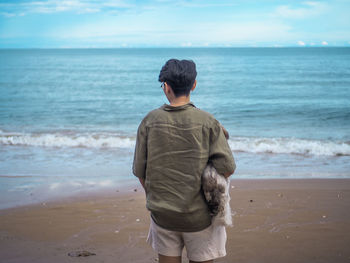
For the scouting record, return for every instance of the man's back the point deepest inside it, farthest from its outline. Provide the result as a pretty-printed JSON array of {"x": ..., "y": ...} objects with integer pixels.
[{"x": 174, "y": 146}]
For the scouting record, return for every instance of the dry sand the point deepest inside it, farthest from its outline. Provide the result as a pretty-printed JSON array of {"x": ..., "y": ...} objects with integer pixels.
[{"x": 300, "y": 220}]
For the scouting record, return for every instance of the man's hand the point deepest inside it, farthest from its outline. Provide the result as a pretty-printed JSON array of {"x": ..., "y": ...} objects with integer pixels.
[
  {"x": 226, "y": 175},
  {"x": 142, "y": 181}
]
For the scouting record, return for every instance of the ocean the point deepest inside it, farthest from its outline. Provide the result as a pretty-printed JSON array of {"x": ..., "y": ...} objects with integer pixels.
[{"x": 68, "y": 117}]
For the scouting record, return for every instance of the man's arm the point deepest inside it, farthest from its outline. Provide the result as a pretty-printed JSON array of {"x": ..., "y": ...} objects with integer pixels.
[
  {"x": 220, "y": 154},
  {"x": 140, "y": 154}
]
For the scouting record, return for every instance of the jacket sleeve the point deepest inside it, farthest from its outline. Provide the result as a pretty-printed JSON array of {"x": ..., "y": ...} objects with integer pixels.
[
  {"x": 220, "y": 154},
  {"x": 140, "y": 154}
]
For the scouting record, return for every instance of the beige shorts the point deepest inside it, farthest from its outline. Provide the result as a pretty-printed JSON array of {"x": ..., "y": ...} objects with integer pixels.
[{"x": 200, "y": 246}]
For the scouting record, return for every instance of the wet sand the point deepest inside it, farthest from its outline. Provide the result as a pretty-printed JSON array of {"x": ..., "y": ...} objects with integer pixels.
[{"x": 276, "y": 220}]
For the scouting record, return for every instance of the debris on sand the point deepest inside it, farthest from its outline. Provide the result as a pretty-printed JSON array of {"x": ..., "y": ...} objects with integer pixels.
[{"x": 82, "y": 253}]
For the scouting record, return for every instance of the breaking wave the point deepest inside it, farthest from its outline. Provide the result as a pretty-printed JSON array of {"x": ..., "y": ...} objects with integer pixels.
[
  {"x": 290, "y": 146},
  {"x": 237, "y": 144},
  {"x": 67, "y": 139}
]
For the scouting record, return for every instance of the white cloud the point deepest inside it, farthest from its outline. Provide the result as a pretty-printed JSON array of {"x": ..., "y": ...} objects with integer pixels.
[
  {"x": 202, "y": 4},
  {"x": 324, "y": 43},
  {"x": 308, "y": 9},
  {"x": 187, "y": 44},
  {"x": 312, "y": 3},
  {"x": 249, "y": 31},
  {"x": 144, "y": 30},
  {"x": 169, "y": 23},
  {"x": 7, "y": 14},
  {"x": 56, "y": 6}
]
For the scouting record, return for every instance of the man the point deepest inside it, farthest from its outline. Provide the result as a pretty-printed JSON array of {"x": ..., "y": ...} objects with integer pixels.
[{"x": 173, "y": 146}]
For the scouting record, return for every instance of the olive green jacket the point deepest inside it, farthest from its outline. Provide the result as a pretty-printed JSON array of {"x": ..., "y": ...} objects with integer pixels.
[{"x": 173, "y": 146}]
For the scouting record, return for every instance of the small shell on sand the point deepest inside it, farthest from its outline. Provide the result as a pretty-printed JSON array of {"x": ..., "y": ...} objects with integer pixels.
[{"x": 82, "y": 253}]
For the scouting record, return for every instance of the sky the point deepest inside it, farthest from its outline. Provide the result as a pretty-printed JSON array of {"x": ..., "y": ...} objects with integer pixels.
[{"x": 165, "y": 23}]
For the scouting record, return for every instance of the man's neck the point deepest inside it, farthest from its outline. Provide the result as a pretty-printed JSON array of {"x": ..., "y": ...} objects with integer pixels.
[{"x": 179, "y": 101}]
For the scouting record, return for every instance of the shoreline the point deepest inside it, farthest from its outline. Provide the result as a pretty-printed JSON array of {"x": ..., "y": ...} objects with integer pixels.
[
  {"x": 276, "y": 220},
  {"x": 130, "y": 185},
  {"x": 34, "y": 193}
]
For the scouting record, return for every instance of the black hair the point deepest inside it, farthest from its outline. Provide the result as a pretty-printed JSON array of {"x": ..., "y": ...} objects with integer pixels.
[{"x": 180, "y": 75}]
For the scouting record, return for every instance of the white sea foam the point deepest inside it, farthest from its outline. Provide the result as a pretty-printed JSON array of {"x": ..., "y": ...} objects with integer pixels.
[
  {"x": 237, "y": 144},
  {"x": 94, "y": 140},
  {"x": 290, "y": 146},
  {"x": 54, "y": 186}
]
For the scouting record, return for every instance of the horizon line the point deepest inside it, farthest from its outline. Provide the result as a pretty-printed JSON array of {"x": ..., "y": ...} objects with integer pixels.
[{"x": 178, "y": 47}]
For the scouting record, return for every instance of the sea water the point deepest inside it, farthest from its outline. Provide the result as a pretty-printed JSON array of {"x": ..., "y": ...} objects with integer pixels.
[{"x": 68, "y": 117}]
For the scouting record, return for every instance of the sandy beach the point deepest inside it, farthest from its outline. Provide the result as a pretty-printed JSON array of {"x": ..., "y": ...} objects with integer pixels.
[{"x": 276, "y": 220}]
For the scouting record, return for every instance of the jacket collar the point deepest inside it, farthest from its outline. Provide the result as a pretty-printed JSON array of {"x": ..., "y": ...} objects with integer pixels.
[{"x": 168, "y": 107}]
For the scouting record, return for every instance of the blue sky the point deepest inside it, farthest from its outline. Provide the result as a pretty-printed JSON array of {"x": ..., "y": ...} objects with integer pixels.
[{"x": 165, "y": 23}]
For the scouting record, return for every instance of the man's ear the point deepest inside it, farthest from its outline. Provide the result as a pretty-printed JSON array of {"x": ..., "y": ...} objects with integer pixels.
[
  {"x": 168, "y": 89},
  {"x": 194, "y": 85}
]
